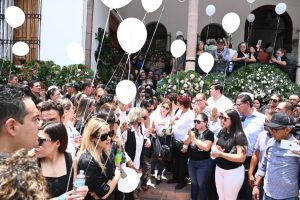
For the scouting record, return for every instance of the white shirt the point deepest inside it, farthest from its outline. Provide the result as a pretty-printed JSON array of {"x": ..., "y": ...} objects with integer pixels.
[
  {"x": 161, "y": 124},
  {"x": 183, "y": 123},
  {"x": 221, "y": 104},
  {"x": 122, "y": 116},
  {"x": 139, "y": 139}
]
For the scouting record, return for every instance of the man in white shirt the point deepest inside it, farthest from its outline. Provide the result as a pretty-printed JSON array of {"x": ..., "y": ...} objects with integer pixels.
[{"x": 218, "y": 103}]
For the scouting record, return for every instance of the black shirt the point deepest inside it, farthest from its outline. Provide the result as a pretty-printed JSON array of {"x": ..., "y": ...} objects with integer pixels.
[
  {"x": 229, "y": 141},
  {"x": 58, "y": 185},
  {"x": 197, "y": 154}
]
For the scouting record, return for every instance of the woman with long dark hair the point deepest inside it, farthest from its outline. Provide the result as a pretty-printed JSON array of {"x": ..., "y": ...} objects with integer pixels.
[
  {"x": 200, "y": 140},
  {"x": 242, "y": 56},
  {"x": 230, "y": 153}
]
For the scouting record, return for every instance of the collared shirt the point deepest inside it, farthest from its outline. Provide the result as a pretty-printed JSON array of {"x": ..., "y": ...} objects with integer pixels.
[
  {"x": 280, "y": 167},
  {"x": 222, "y": 104},
  {"x": 261, "y": 145},
  {"x": 253, "y": 125},
  {"x": 183, "y": 124}
]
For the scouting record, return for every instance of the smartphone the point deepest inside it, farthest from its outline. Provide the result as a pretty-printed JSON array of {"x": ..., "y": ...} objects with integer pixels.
[
  {"x": 259, "y": 42},
  {"x": 290, "y": 145}
]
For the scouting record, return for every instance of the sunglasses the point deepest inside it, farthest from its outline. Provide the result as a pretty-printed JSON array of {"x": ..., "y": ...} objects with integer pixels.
[
  {"x": 117, "y": 122},
  {"x": 274, "y": 100},
  {"x": 167, "y": 108},
  {"x": 223, "y": 118},
  {"x": 198, "y": 121},
  {"x": 42, "y": 140},
  {"x": 103, "y": 137},
  {"x": 144, "y": 117}
]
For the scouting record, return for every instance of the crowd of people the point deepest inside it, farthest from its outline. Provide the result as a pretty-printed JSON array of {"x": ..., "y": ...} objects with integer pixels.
[
  {"x": 227, "y": 58},
  {"x": 225, "y": 149}
]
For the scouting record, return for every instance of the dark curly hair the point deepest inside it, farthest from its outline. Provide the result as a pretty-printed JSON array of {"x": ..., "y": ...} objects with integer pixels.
[{"x": 21, "y": 178}]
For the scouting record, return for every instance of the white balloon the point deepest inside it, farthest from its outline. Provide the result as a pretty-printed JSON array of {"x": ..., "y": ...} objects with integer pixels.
[
  {"x": 14, "y": 16},
  {"x": 75, "y": 53},
  {"x": 280, "y": 8},
  {"x": 132, "y": 35},
  {"x": 206, "y": 62},
  {"x": 151, "y": 5},
  {"x": 178, "y": 48},
  {"x": 20, "y": 49},
  {"x": 250, "y": 1},
  {"x": 115, "y": 4},
  {"x": 210, "y": 10},
  {"x": 126, "y": 91},
  {"x": 130, "y": 182},
  {"x": 231, "y": 22},
  {"x": 251, "y": 17}
]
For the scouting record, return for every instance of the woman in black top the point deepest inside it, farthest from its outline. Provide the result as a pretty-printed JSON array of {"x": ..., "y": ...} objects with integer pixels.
[
  {"x": 230, "y": 153},
  {"x": 55, "y": 163},
  {"x": 242, "y": 56},
  {"x": 97, "y": 161},
  {"x": 200, "y": 141}
]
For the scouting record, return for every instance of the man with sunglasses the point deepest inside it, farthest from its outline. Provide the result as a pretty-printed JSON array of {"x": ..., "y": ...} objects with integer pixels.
[
  {"x": 279, "y": 166},
  {"x": 273, "y": 102}
]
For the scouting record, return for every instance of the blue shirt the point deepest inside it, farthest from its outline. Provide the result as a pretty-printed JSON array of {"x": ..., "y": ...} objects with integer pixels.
[
  {"x": 280, "y": 167},
  {"x": 253, "y": 125}
]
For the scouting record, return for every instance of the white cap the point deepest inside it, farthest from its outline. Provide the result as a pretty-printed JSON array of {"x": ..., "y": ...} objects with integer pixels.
[{"x": 178, "y": 33}]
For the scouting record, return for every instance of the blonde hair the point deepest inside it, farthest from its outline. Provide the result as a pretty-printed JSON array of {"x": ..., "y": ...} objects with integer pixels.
[
  {"x": 21, "y": 178},
  {"x": 91, "y": 130},
  {"x": 134, "y": 115}
]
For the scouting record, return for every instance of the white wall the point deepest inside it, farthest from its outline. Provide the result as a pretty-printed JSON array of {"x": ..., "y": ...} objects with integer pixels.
[
  {"x": 62, "y": 23},
  {"x": 99, "y": 20},
  {"x": 175, "y": 15}
]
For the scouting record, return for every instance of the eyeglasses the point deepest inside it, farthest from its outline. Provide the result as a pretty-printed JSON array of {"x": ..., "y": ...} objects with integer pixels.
[
  {"x": 223, "y": 118},
  {"x": 167, "y": 108},
  {"x": 274, "y": 100},
  {"x": 42, "y": 140},
  {"x": 104, "y": 136},
  {"x": 198, "y": 121}
]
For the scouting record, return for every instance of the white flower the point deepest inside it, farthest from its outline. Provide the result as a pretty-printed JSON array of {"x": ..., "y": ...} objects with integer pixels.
[
  {"x": 174, "y": 87},
  {"x": 182, "y": 81},
  {"x": 192, "y": 76},
  {"x": 201, "y": 83},
  {"x": 185, "y": 85},
  {"x": 169, "y": 81},
  {"x": 181, "y": 91}
]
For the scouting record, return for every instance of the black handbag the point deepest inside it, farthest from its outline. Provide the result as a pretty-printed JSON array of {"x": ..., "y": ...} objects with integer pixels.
[{"x": 177, "y": 145}]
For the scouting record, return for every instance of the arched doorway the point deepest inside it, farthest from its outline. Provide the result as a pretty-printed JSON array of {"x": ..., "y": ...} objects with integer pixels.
[
  {"x": 265, "y": 25},
  {"x": 212, "y": 31},
  {"x": 160, "y": 38}
]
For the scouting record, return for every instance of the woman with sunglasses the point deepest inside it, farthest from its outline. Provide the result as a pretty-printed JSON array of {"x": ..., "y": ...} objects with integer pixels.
[
  {"x": 162, "y": 128},
  {"x": 97, "y": 161},
  {"x": 55, "y": 162},
  {"x": 199, "y": 141},
  {"x": 230, "y": 153}
]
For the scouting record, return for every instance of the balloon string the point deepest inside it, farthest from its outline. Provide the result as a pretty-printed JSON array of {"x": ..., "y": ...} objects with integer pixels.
[
  {"x": 118, "y": 14},
  {"x": 101, "y": 44},
  {"x": 114, "y": 71},
  {"x": 142, "y": 67},
  {"x": 278, "y": 20},
  {"x": 129, "y": 65},
  {"x": 207, "y": 33},
  {"x": 144, "y": 17}
]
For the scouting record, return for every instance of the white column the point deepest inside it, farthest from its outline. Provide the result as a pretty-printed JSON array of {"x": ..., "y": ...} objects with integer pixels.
[
  {"x": 298, "y": 69},
  {"x": 192, "y": 34}
]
